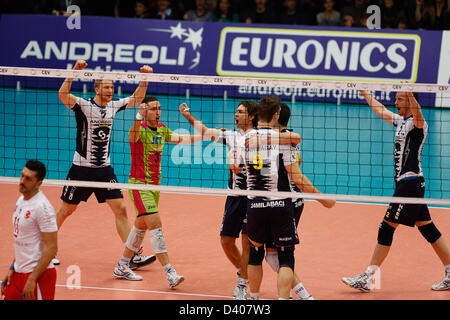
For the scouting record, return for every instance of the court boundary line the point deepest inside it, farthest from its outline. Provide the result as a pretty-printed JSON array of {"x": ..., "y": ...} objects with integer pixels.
[{"x": 142, "y": 291}]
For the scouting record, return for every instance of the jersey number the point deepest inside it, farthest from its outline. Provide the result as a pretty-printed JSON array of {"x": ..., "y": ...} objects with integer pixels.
[{"x": 257, "y": 161}]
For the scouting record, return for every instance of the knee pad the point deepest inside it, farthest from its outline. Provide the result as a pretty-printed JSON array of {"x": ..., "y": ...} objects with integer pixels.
[
  {"x": 385, "y": 234},
  {"x": 135, "y": 238},
  {"x": 157, "y": 241},
  {"x": 256, "y": 255},
  {"x": 272, "y": 260},
  {"x": 430, "y": 232},
  {"x": 286, "y": 257}
]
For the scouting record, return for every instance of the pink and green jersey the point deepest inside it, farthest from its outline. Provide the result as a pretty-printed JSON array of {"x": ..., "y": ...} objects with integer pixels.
[{"x": 146, "y": 154}]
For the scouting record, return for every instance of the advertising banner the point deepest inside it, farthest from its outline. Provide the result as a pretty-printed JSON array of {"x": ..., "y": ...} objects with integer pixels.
[{"x": 219, "y": 49}]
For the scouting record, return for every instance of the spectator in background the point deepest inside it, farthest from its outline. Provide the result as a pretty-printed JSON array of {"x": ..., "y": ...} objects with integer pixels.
[
  {"x": 200, "y": 13},
  {"x": 164, "y": 11},
  {"x": 329, "y": 17},
  {"x": 421, "y": 15},
  {"x": 348, "y": 19},
  {"x": 446, "y": 17},
  {"x": 390, "y": 14},
  {"x": 260, "y": 13},
  {"x": 225, "y": 13},
  {"x": 59, "y": 7},
  {"x": 440, "y": 7},
  {"x": 310, "y": 9},
  {"x": 360, "y": 13},
  {"x": 291, "y": 15},
  {"x": 123, "y": 9},
  {"x": 402, "y": 25},
  {"x": 141, "y": 10}
]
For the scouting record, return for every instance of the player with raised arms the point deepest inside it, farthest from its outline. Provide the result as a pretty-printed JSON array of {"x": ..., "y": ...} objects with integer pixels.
[
  {"x": 147, "y": 138},
  {"x": 91, "y": 161}
]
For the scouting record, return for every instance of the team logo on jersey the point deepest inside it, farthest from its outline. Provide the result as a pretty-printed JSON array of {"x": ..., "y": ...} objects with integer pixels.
[{"x": 27, "y": 214}]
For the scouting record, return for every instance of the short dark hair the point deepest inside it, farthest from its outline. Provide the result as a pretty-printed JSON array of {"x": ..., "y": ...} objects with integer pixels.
[
  {"x": 252, "y": 110},
  {"x": 148, "y": 99},
  {"x": 285, "y": 114},
  {"x": 268, "y": 106},
  {"x": 38, "y": 167}
]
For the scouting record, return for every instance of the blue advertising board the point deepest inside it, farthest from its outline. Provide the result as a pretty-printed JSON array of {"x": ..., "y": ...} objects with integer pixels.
[{"x": 263, "y": 51}]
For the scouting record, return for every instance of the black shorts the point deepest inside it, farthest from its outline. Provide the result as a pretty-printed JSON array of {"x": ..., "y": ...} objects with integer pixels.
[
  {"x": 271, "y": 222},
  {"x": 234, "y": 217},
  {"x": 74, "y": 195},
  {"x": 298, "y": 209},
  {"x": 408, "y": 214}
]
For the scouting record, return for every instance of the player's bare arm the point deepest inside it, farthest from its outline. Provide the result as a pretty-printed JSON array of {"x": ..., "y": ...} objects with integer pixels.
[
  {"x": 185, "y": 138},
  {"x": 64, "y": 94},
  {"x": 232, "y": 162},
  {"x": 290, "y": 138},
  {"x": 304, "y": 184},
  {"x": 133, "y": 133},
  {"x": 50, "y": 249},
  {"x": 416, "y": 110},
  {"x": 199, "y": 126},
  {"x": 377, "y": 107},
  {"x": 6, "y": 281},
  {"x": 140, "y": 92}
]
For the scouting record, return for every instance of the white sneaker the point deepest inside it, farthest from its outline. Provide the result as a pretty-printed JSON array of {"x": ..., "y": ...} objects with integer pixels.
[
  {"x": 240, "y": 292},
  {"x": 55, "y": 261},
  {"x": 308, "y": 298},
  {"x": 138, "y": 261},
  {"x": 124, "y": 272},
  {"x": 443, "y": 285},
  {"x": 173, "y": 278},
  {"x": 361, "y": 282}
]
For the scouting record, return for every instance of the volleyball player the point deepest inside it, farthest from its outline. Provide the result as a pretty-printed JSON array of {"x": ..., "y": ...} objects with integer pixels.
[
  {"x": 234, "y": 218},
  {"x": 32, "y": 274},
  {"x": 91, "y": 161},
  {"x": 147, "y": 138},
  {"x": 298, "y": 205},
  {"x": 271, "y": 219},
  {"x": 411, "y": 132}
]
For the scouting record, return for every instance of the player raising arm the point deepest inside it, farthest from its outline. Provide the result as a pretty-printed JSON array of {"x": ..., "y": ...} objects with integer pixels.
[
  {"x": 147, "y": 138},
  {"x": 91, "y": 161}
]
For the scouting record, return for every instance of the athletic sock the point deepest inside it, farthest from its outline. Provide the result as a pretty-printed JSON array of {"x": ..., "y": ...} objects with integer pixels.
[
  {"x": 124, "y": 261},
  {"x": 371, "y": 270},
  {"x": 301, "y": 291},
  {"x": 254, "y": 296},
  {"x": 167, "y": 267},
  {"x": 447, "y": 269},
  {"x": 242, "y": 282}
]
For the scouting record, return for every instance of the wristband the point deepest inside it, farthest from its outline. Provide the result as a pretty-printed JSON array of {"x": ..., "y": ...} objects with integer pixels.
[
  {"x": 139, "y": 116},
  {"x": 11, "y": 268},
  {"x": 3, "y": 284}
]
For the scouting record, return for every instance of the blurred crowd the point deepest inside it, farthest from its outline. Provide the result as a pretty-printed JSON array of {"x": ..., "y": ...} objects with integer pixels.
[{"x": 395, "y": 14}]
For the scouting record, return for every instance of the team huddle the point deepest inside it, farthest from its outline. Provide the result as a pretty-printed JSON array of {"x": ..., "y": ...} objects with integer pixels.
[{"x": 263, "y": 155}]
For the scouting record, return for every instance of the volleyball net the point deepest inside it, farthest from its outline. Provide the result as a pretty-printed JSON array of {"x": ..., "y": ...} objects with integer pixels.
[{"x": 347, "y": 151}]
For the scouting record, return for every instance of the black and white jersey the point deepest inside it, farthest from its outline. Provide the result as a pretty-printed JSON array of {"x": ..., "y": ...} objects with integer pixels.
[
  {"x": 94, "y": 125},
  {"x": 234, "y": 139},
  {"x": 409, "y": 141},
  {"x": 294, "y": 150},
  {"x": 262, "y": 164}
]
